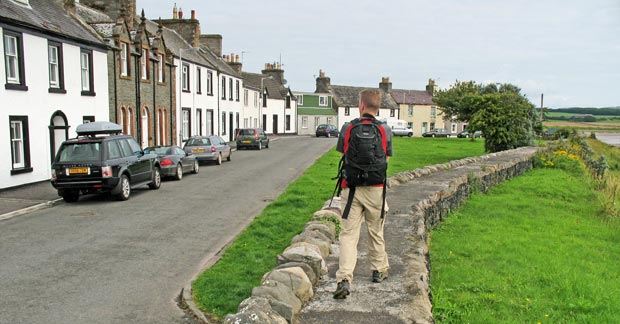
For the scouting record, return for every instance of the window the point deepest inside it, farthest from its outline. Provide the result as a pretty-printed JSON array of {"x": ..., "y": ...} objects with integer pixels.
[
  {"x": 56, "y": 74},
  {"x": 186, "y": 124},
  {"x": 392, "y": 112},
  {"x": 224, "y": 123},
  {"x": 288, "y": 122},
  {"x": 237, "y": 90},
  {"x": 230, "y": 89},
  {"x": 198, "y": 80},
  {"x": 347, "y": 111},
  {"x": 453, "y": 128},
  {"x": 304, "y": 122},
  {"x": 209, "y": 83},
  {"x": 433, "y": 111},
  {"x": 410, "y": 111},
  {"x": 317, "y": 121},
  {"x": 245, "y": 97},
  {"x": 432, "y": 126},
  {"x": 300, "y": 100},
  {"x": 160, "y": 68},
  {"x": 255, "y": 99},
  {"x": 199, "y": 121},
  {"x": 20, "y": 146},
  {"x": 124, "y": 59},
  {"x": 86, "y": 65},
  {"x": 288, "y": 101},
  {"x": 185, "y": 78},
  {"x": 223, "y": 87},
  {"x": 329, "y": 120},
  {"x": 14, "y": 61},
  {"x": 144, "y": 71},
  {"x": 410, "y": 125},
  {"x": 322, "y": 100}
]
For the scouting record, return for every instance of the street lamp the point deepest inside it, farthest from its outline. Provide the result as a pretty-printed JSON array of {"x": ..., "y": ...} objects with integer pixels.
[{"x": 262, "y": 95}]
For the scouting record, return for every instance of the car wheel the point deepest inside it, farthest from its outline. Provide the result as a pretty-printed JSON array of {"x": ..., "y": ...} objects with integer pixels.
[
  {"x": 219, "y": 159},
  {"x": 229, "y": 156},
  {"x": 317, "y": 135},
  {"x": 260, "y": 145},
  {"x": 157, "y": 179},
  {"x": 71, "y": 196},
  {"x": 410, "y": 134},
  {"x": 267, "y": 145},
  {"x": 433, "y": 135},
  {"x": 196, "y": 167},
  {"x": 328, "y": 135},
  {"x": 125, "y": 188},
  {"x": 179, "y": 173}
]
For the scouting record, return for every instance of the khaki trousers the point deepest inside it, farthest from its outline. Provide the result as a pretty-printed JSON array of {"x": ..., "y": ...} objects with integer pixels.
[{"x": 366, "y": 206}]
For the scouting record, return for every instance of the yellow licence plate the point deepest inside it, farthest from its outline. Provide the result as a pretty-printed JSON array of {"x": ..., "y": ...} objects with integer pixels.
[
  {"x": 247, "y": 142},
  {"x": 78, "y": 170},
  {"x": 198, "y": 150}
]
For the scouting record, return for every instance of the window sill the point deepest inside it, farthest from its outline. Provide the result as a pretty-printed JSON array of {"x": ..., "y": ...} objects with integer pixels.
[
  {"x": 20, "y": 171},
  {"x": 88, "y": 93},
  {"x": 57, "y": 90},
  {"x": 210, "y": 94},
  {"x": 145, "y": 80},
  {"x": 13, "y": 86},
  {"x": 162, "y": 83},
  {"x": 186, "y": 91},
  {"x": 198, "y": 93}
]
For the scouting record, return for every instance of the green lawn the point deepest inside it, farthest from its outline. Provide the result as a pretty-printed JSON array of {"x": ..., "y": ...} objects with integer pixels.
[
  {"x": 534, "y": 249},
  {"x": 219, "y": 290}
]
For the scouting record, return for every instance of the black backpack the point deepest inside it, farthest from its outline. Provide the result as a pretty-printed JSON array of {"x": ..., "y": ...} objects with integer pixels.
[{"x": 364, "y": 162}]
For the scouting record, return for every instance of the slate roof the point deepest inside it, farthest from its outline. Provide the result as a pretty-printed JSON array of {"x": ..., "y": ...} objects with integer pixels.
[
  {"x": 48, "y": 16},
  {"x": 350, "y": 96},
  {"x": 275, "y": 90},
  {"x": 412, "y": 97}
]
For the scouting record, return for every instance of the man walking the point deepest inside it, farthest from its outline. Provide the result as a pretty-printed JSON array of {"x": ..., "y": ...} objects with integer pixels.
[{"x": 366, "y": 145}]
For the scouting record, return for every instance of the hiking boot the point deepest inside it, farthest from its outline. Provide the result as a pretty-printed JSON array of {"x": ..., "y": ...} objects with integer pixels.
[
  {"x": 342, "y": 291},
  {"x": 378, "y": 276}
]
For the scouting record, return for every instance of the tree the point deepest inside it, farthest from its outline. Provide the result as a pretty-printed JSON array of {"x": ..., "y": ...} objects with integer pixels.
[{"x": 506, "y": 117}]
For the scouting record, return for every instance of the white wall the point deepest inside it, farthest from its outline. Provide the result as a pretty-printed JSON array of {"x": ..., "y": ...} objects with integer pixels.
[
  {"x": 354, "y": 112},
  {"x": 39, "y": 105},
  {"x": 250, "y": 112}
]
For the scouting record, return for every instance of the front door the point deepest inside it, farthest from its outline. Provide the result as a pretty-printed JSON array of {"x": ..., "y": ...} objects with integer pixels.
[
  {"x": 144, "y": 127},
  {"x": 231, "y": 127},
  {"x": 59, "y": 132},
  {"x": 275, "y": 124}
]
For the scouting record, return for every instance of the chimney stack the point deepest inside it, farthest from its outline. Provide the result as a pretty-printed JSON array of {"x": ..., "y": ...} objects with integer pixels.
[
  {"x": 385, "y": 85},
  {"x": 430, "y": 88},
  {"x": 212, "y": 42},
  {"x": 275, "y": 71},
  {"x": 323, "y": 83},
  {"x": 234, "y": 62}
]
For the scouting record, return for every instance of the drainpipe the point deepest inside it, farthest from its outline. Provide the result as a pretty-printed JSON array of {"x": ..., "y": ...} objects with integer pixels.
[
  {"x": 115, "y": 87},
  {"x": 154, "y": 107},
  {"x": 138, "y": 108},
  {"x": 170, "y": 96}
]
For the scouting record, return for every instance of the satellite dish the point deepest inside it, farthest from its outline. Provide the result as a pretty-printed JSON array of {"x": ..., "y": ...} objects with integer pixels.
[{"x": 284, "y": 81}]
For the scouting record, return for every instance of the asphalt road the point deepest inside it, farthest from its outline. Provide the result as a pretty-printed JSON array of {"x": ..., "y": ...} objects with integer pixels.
[{"x": 103, "y": 261}]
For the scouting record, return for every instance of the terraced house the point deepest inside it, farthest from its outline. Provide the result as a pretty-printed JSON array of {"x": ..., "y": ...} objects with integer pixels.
[
  {"x": 55, "y": 75},
  {"x": 141, "y": 71},
  {"x": 314, "y": 109}
]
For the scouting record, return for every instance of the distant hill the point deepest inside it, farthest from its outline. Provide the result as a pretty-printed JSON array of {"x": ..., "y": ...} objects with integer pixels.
[{"x": 605, "y": 111}]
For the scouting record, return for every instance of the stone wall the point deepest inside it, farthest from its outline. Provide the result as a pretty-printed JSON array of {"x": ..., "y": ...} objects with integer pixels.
[{"x": 292, "y": 283}]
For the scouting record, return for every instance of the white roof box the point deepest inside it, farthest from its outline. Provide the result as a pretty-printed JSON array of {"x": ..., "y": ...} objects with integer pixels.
[{"x": 98, "y": 127}]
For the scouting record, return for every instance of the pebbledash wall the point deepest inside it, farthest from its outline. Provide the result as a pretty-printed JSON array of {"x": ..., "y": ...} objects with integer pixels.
[{"x": 44, "y": 109}]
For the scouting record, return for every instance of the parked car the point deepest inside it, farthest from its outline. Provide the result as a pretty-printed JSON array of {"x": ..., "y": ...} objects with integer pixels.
[
  {"x": 437, "y": 132},
  {"x": 208, "y": 148},
  {"x": 174, "y": 161},
  {"x": 327, "y": 131},
  {"x": 465, "y": 134},
  {"x": 102, "y": 160},
  {"x": 402, "y": 131},
  {"x": 252, "y": 137}
]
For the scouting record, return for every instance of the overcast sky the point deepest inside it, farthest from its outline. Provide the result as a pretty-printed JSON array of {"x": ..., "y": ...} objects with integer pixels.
[{"x": 567, "y": 49}]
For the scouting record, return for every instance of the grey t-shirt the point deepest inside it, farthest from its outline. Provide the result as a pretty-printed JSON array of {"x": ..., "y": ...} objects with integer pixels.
[{"x": 343, "y": 131}]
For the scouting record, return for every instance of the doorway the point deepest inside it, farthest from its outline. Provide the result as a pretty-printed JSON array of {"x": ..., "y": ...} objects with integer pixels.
[
  {"x": 275, "y": 124},
  {"x": 59, "y": 132}
]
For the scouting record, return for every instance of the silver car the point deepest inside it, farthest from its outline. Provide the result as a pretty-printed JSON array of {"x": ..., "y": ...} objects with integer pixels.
[
  {"x": 402, "y": 131},
  {"x": 208, "y": 148}
]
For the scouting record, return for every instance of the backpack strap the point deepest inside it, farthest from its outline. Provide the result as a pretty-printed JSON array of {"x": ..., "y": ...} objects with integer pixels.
[{"x": 347, "y": 208}]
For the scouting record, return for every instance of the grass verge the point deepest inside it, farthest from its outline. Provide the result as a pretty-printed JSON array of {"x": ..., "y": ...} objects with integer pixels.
[
  {"x": 532, "y": 250},
  {"x": 219, "y": 290}
]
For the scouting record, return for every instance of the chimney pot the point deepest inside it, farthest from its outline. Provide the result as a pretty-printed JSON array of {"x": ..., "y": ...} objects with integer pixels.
[
  {"x": 175, "y": 12},
  {"x": 237, "y": 58},
  {"x": 180, "y": 13},
  {"x": 193, "y": 14}
]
